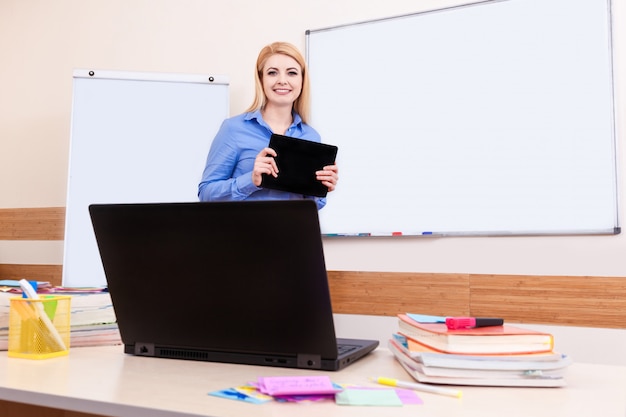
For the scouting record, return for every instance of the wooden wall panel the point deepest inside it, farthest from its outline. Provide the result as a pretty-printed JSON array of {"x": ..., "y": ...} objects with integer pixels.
[
  {"x": 555, "y": 300},
  {"x": 46, "y": 223},
  {"x": 567, "y": 300},
  {"x": 387, "y": 294},
  {"x": 51, "y": 273}
]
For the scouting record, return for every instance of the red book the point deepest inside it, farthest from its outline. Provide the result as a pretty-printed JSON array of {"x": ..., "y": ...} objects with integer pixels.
[{"x": 493, "y": 340}]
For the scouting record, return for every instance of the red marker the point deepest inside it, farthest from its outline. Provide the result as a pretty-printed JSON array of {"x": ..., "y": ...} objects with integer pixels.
[{"x": 454, "y": 323}]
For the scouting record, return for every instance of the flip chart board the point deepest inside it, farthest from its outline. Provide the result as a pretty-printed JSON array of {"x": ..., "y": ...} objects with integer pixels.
[
  {"x": 493, "y": 118},
  {"x": 135, "y": 138}
]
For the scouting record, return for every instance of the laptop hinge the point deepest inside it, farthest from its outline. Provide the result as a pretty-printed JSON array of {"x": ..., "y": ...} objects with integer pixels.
[
  {"x": 309, "y": 361},
  {"x": 144, "y": 349}
]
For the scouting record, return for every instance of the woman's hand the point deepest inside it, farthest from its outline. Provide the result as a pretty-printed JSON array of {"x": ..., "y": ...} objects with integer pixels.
[
  {"x": 264, "y": 163},
  {"x": 329, "y": 176}
]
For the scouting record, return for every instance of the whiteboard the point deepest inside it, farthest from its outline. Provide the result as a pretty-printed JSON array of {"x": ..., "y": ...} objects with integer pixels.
[
  {"x": 495, "y": 118},
  {"x": 135, "y": 138}
]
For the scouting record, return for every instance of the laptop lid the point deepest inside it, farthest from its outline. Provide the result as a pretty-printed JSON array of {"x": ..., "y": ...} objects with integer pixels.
[
  {"x": 240, "y": 282},
  {"x": 297, "y": 161}
]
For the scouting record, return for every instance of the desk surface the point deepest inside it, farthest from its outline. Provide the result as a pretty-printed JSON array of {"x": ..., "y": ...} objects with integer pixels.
[{"x": 103, "y": 380}]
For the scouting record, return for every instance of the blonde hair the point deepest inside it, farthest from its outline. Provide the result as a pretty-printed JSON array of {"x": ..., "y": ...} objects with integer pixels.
[{"x": 301, "y": 105}]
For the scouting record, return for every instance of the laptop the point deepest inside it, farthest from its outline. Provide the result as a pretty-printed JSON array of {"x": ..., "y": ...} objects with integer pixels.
[
  {"x": 297, "y": 160},
  {"x": 235, "y": 282}
]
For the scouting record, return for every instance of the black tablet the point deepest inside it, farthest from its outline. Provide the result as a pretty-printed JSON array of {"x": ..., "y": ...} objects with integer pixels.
[{"x": 297, "y": 161}]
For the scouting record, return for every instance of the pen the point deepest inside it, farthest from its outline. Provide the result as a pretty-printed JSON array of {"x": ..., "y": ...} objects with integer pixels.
[
  {"x": 418, "y": 387},
  {"x": 454, "y": 323}
]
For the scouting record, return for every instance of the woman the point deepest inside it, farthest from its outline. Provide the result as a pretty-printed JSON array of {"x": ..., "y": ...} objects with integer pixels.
[{"x": 239, "y": 154}]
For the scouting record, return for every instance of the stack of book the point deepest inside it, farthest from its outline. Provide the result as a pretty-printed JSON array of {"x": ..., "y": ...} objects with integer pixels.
[
  {"x": 487, "y": 356},
  {"x": 92, "y": 318}
]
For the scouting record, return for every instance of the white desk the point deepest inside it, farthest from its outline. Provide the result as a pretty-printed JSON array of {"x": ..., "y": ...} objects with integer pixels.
[{"x": 103, "y": 380}]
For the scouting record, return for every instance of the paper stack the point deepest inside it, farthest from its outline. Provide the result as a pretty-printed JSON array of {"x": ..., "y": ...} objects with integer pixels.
[{"x": 487, "y": 356}]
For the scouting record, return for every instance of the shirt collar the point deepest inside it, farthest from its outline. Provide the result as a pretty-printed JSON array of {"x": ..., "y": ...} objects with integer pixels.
[{"x": 256, "y": 115}]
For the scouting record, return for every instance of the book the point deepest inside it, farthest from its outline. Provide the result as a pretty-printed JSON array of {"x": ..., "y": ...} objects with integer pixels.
[
  {"x": 495, "y": 371},
  {"x": 13, "y": 285},
  {"x": 433, "y": 358},
  {"x": 500, "y": 340}
]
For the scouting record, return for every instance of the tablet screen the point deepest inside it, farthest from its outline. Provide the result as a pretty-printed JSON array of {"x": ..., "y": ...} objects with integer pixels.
[{"x": 297, "y": 161}]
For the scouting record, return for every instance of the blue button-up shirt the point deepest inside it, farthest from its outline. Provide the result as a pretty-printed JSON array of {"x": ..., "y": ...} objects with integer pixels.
[{"x": 228, "y": 172}]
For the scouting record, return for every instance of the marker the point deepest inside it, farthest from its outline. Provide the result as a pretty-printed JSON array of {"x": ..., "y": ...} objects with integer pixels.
[
  {"x": 396, "y": 234},
  {"x": 345, "y": 234},
  {"x": 451, "y": 392},
  {"x": 454, "y": 323}
]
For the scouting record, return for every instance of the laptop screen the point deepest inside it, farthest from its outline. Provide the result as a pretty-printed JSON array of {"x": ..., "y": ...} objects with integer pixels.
[{"x": 245, "y": 277}]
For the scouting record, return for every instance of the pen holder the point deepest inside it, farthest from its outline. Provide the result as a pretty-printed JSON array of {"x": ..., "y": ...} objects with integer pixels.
[{"x": 39, "y": 329}]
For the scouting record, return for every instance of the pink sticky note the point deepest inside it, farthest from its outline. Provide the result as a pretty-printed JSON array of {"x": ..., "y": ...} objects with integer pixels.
[
  {"x": 408, "y": 396},
  {"x": 296, "y": 385}
]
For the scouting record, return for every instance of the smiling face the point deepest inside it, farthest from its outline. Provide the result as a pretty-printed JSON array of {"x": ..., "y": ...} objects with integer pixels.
[{"x": 282, "y": 80}]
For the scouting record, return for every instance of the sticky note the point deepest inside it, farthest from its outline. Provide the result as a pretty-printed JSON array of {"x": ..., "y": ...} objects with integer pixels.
[
  {"x": 253, "y": 393},
  {"x": 378, "y": 397},
  {"x": 233, "y": 394},
  {"x": 296, "y": 385},
  {"x": 423, "y": 318},
  {"x": 408, "y": 396}
]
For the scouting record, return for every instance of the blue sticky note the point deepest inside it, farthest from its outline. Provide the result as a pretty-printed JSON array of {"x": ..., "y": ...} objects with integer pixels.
[
  {"x": 400, "y": 339},
  {"x": 233, "y": 394},
  {"x": 423, "y": 318}
]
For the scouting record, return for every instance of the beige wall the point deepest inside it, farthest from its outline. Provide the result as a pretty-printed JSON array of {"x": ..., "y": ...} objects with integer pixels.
[{"x": 41, "y": 42}]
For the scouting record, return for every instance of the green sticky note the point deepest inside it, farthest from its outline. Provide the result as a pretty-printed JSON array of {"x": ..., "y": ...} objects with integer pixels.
[
  {"x": 50, "y": 306},
  {"x": 372, "y": 397}
]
